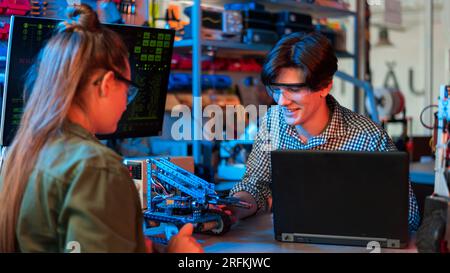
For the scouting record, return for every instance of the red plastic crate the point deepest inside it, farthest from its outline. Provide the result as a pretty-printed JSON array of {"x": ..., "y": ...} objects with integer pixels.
[
  {"x": 4, "y": 31},
  {"x": 17, "y": 7}
]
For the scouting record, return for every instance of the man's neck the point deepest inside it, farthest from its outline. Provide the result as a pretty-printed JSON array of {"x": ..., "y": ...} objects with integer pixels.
[{"x": 316, "y": 125}]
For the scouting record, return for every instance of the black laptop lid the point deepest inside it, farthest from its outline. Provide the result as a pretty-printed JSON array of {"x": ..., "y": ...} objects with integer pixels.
[{"x": 357, "y": 194}]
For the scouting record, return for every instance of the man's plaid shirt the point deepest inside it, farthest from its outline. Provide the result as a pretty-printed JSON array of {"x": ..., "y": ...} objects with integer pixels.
[{"x": 347, "y": 131}]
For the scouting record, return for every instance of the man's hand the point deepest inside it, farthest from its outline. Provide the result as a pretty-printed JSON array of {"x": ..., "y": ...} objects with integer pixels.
[
  {"x": 226, "y": 210},
  {"x": 183, "y": 242},
  {"x": 241, "y": 213}
]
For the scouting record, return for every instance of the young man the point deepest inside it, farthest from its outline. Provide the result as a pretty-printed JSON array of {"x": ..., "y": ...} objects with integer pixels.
[{"x": 298, "y": 74}]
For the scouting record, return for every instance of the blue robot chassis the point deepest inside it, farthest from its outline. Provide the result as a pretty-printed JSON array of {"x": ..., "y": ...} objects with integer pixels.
[{"x": 176, "y": 197}]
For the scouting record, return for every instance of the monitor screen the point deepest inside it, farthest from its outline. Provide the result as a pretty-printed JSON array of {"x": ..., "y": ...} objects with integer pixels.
[{"x": 150, "y": 58}]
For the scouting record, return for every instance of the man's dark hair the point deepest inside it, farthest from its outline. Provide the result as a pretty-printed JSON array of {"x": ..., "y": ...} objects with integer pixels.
[{"x": 310, "y": 52}]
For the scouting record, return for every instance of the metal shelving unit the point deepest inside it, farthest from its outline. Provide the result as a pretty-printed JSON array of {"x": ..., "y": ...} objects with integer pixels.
[
  {"x": 315, "y": 11},
  {"x": 234, "y": 48},
  {"x": 276, "y": 5},
  {"x": 225, "y": 48},
  {"x": 196, "y": 45}
]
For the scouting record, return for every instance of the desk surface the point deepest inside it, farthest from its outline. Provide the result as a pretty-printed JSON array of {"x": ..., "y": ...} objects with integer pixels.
[{"x": 255, "y": 235}]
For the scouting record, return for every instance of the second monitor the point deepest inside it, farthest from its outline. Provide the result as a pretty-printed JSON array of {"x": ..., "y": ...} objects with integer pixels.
[{"x": 150, "y": 59}]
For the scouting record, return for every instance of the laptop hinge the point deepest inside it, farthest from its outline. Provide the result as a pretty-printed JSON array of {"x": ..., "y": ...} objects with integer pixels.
[{"x": 316, "y": 238}]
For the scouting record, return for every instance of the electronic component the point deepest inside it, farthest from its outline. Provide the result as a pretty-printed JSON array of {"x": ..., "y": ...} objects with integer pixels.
[
  {"x": 289, "y": 17},
  {"x": 127, "y": 7},
  {"x": 211, "y": 27},
  {"x": 259, "y": 36},
  {"x": 138, "y": 172},
  {"x": 253, "y": 19},
  {"x": 38, "y": 8},
  {"x": 232, "y": 23},
  {"x": 285, "y": 29},
  {"x": 244, "y": 6},
  {"x": 290, "y": 22},
  {"x": 217, "y": 24}
]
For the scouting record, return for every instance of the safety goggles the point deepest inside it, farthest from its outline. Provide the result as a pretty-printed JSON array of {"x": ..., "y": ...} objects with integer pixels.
[
  {"x": 133, "y": 88},
  {"x": 276, "y": 89}
]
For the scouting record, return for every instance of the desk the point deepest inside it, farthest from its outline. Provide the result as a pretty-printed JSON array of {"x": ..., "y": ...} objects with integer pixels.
[{"x": 255, "y": 235}]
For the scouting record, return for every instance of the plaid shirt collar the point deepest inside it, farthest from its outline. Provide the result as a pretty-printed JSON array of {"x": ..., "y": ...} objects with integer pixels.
[{"x": 336, "y": 127}]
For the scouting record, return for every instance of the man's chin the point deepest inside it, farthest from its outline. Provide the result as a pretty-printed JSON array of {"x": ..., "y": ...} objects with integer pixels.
[{"x": 292, "y": 121}]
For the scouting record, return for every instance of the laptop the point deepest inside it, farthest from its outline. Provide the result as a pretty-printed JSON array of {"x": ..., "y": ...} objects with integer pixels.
[{"x": 341, "y": 198}]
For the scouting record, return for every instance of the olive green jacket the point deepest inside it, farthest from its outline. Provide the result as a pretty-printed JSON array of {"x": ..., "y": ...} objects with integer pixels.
[{"x": 80, "y": 197}]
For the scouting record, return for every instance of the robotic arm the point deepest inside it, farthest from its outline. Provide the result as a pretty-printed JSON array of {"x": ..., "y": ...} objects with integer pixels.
[
  {"x": 176, "y": 197},
  {"x": 440, "y": 182},
  {"x": 434, "y": 233}
]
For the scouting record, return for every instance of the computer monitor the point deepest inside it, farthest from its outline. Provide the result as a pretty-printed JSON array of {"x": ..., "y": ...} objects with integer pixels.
[{"x": 150, "y": 59}]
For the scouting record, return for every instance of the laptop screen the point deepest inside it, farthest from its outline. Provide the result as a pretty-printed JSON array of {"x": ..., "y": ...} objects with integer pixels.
[{"x": 340, "y": 195}]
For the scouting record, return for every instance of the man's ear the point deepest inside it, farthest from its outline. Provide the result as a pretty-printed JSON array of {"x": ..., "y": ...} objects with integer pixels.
[
  {"x": 107, "y": 84},
  {"x": 324, "y": 92}
]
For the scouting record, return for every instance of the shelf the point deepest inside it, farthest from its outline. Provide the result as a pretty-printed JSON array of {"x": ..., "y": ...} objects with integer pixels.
[
  {"x": 233, "y": 48},
  {"x": 225, "y": 44},
  {"x": 226, "y": 48},
  {"x": 314, "y": 10},
  {"x": 217, "y": 72}
]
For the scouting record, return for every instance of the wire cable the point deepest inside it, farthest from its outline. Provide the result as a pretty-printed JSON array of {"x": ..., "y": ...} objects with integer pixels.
[{"x": 421, "y": 116}]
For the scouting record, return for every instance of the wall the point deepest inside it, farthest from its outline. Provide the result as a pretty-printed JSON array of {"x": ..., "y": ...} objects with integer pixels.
[{"x": 409, "y": 52}]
